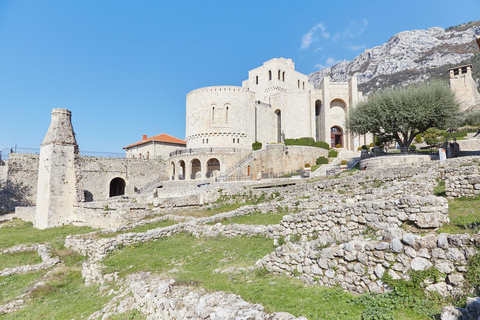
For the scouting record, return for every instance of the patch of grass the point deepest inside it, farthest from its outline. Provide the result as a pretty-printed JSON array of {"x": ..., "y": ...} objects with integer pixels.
[
  {"x": 315, "y": 167},
  {"x": 439, "y": 189},
  {"x": 129, "y": 315},
  {"x": 12, "y": 260},
  {"x": 15, "y": 285},
  {"x": 64, "y": 296},
  {"x": 18, "y": 232},
  {"x": 463, "y": 214},
  {"x": 257, "y": 218}
]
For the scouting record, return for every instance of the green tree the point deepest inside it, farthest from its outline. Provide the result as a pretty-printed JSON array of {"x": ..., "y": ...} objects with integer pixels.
[{"x": 402, "y": 113}]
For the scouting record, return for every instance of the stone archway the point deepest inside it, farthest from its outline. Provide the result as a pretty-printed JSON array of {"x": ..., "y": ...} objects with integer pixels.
[
  {"x": 212, "y": 165},
  {"x": 181, "y": 173},
  {"x": 196, "y": 168},
  {"x": 117, "y": 187},
  {"x": 173, "y": 170},
  {"x": 336, "y": 134}
]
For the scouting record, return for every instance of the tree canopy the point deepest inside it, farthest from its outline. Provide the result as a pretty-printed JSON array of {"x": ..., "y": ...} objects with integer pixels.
[{"x": 401, "y": 113}]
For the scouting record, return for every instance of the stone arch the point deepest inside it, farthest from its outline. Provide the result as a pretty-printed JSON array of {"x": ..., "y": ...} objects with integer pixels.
[
  {"x": 278, "y": 113},
  {"x": 212, "y": 165},
  {"x": 117, "y": 187},
  {"x": 181, "y": 168},
  {"x": 336, "y": 135},
  {"x": 318, "y": 123},
  {"x": 338, "y": 103},
  {"x": 196, "y": 166}
]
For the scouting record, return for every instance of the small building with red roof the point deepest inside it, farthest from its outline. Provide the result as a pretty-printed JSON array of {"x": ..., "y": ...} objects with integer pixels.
[{"x": 156, "y": 147}]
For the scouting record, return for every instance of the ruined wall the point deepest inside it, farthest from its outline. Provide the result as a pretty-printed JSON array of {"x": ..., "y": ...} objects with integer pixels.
[
  {"x": 21, "y": 176},
  {"x": 97, "y": 173},
  {"x": 462, "y": 182}
]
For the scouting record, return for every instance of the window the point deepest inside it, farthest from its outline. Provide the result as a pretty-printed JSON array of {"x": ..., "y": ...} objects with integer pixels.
[
  {"x": 213, "y": 113},
  {"x": 283, "y": 76},
  {"x": 303, "y": 85},
  {"x": 299, "y": 84},
  {"x": 269, "y": 74},
  {"x": 233, "y": 140},
  {"x": 256, "y": 80},
  {"x": 279, "y": 72},
  {"x": 238, "y": 140},
  {"x": 226, "y": 114}
]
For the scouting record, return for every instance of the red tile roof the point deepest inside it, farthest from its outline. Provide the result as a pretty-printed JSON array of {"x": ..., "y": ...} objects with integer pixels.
[{"x": 159, "y": 138}]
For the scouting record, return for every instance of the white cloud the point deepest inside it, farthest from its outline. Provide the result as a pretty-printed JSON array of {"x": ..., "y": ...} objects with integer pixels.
[
  {"x": 356, "y": 47},
  {"x": 328, "y": 63},
  {"x": 356, "y": 28},
  {"x": 309, "y": 37},
  {"x": 318, "y": 49}
]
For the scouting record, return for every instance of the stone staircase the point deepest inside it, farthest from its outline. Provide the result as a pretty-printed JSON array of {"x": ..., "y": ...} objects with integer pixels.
[
  {"x": 151, "y": 185},
  {"x": 334, "y": 167},
  {"x": 240, "y": 164}
]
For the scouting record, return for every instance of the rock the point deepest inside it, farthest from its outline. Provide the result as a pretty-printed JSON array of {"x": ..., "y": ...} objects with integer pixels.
[
  {"x": 396, "y": 245},
  {"x": 409, "y": 239},
  {"x": 391, "y": 233},
  {"x": 451, "y": 313},
  {"x": 441, "y": 288},
  {"x": 426, "y": 220},
  {"x": 420, "y": 264},
  {"x": 455, "y": 279}
]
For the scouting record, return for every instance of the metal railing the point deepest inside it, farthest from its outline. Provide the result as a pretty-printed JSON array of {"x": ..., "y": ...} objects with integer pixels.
[{"x": 201, "y": 150}]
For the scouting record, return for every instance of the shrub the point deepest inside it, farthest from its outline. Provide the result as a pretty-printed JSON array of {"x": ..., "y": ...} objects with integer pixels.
[
  {"x": 332, "y": 153},
  {"x": 413, "y": 147},
  {"x": 306, "y": 141},
  {"x": 344, "y": 162},
  {"x": 418, "y": 138},
  {"x": 371, "y": 145},
  {"x": 359, "y": 148},
  {"x": 307, "y": 165},
  {"x": 322, "y": 160},
  {"x": 256, "y": 145},
  {"x": 364, "y": 147},
  {"x": 430, "y": 138},
  {"x": 338, "y": 146}
]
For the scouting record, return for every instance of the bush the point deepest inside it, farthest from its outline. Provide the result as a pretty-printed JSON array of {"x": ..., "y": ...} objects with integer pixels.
[
  {"x": 364, "y": 147},
  {"x": 256, "y": 145},
  {"x": 307, "y": 165},
  {"x": 332, "y": 153},
  {"x": 359, "y": 148},
  {"x": 418, "y": 138},
  {"x": 371, "y": 145},
  {"x": 306, "y": 141},
  {"x": 430, "y": 138},
  {"x": 322, "y": 160},
  {"x": 338, "y": 146},
  {"x": 413, "y": 147},
  {"x": 344, "y": 162}
]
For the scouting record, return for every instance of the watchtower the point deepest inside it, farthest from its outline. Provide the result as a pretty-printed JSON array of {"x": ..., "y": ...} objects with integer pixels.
[
  {"x": 56, "y": 193},
  {"x": 462, "y": 83}
]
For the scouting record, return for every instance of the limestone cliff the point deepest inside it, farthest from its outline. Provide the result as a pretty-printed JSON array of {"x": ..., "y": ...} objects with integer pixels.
[{"x": 410, "y": 57}]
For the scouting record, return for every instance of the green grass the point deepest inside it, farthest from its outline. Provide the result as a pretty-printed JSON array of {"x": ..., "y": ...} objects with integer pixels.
[
  {"x": 463, "y": 214},
  {"x": 18, "y": 232},
  {"x": 64, "y": 296},
  {"x": 315, "y": 167},
  {"x": 143, "y": 228},
  {"x": 12, "y": 260},
  {"x": 14, "y": 285},
  {"x": 439, "y": 190},
  {"x": 257, "y": 218}
]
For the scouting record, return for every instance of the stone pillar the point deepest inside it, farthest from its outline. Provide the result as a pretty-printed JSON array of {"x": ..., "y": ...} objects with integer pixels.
[{"x": 56, "y": 193}]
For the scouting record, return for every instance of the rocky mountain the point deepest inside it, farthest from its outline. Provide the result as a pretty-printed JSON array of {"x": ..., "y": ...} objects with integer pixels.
[{"x": 410, "y": 57}]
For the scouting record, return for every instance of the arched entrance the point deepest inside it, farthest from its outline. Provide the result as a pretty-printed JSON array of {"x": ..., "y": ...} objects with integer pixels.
[
  {"x": 196, "y": 168},
  {"x": 181, "y": 174},
  {"x": 336, "y": 137},
  {"x": 117, "y": 187},
  {"x": 212, "y": 165},
  {"x": 318, "y": 109},
  {"x": 279, "y": 125},
  {"x": 173, "y": 170}
]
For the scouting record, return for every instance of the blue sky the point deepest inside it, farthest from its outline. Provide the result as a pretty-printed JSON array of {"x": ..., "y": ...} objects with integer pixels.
[{"x": 124, "y": 67}]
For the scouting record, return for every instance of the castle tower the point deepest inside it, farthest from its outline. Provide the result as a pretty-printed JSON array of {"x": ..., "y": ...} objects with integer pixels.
[
  {"x": 464, "y": 87},
  {"x": 56, "y": 193}
]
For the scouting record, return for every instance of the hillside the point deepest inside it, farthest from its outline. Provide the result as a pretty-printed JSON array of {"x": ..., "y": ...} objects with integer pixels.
[{"x": 410, "y": 57}]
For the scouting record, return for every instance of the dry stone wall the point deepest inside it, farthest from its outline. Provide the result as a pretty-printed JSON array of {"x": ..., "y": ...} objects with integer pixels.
[
  {"x": 462, "y": 182},
  {"x": 343, "y": 222},
  {"x": 359, "y": 265}
]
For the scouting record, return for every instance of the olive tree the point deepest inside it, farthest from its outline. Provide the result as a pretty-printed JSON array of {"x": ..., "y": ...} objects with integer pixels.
[{"x": 401, "y": 113}]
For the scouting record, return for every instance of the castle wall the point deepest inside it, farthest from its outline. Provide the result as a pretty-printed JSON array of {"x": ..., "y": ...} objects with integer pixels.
[
  {"x": 97, "y": 174},
  {"x": 152, "y": 150}
]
